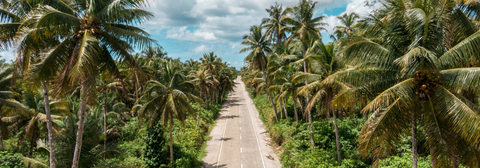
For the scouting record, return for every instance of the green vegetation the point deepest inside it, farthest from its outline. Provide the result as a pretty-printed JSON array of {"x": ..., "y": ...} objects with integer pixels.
[
  {"x": 79, "y": 96},
  {"x": 399, "y": 83}
]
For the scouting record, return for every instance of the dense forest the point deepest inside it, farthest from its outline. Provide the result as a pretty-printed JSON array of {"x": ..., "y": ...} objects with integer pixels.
[
  {"x": 90, "y": 89},
  {"x": 396, "y": 88}
]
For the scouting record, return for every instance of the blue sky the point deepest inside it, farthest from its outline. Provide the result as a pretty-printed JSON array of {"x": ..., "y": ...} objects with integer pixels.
[{"x": 188, "y": 28}]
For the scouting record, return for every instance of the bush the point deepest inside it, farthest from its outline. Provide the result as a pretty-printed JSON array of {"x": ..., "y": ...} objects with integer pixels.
[
  {"x": 11, "y": 160},
  {"x": 156, "y": 154}
]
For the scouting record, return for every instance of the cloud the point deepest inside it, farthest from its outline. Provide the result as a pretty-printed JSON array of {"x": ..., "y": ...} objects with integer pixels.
[
  {"x": 181, "y": 33},
  {"x": 220, "y": 20},
  {"x": 357, "y": 6},
  {"x": 201, "y": 49}
]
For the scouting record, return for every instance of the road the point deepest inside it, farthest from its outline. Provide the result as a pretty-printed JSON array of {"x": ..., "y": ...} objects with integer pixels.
[{"x": 239, "y": 139}]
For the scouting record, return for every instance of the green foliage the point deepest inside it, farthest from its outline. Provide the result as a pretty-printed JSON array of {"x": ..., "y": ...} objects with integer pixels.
[
  {"x": 295, "y": 142},
  {"x": 156, "y": 152},
  {"x": 11, "y": 160},
  {"x": 404, "y": 160}
]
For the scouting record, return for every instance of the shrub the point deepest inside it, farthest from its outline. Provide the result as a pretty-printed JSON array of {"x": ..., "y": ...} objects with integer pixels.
[{"x": 11, "y": 160}]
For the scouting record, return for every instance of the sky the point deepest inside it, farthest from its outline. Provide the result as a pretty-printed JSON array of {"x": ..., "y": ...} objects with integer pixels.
[{"x": 189, "y": 28}]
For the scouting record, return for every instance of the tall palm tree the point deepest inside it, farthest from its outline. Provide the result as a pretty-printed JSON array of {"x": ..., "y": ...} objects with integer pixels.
[
  {"x": 433, "y": 67},
  {"x": 287, "y": 88},
  {"x": 168, "y": 98},
  {"x": 200, "y": 78},
  {"x": 154, "y": 52},
  {"x": 273, "y": 24},
  {"x": 303, "y": 24},
  {"x": 8, "y": 105},
  {"x": 348, "y": 20},
  {"x": 15, "y": 14},
  {"x": 92, "y": 33},
  {"x": 258, "y": 46}
]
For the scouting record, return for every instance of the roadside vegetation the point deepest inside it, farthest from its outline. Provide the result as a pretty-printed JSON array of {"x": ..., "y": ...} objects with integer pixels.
[
  {"x": 396, "y": 88},
  {"x": 79, "y": 95}
]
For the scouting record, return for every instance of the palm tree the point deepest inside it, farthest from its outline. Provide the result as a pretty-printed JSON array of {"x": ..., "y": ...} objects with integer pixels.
[
  {"x": 212, "y": 64},
  {"x": 258, "y": 45},
  {"x": 154, "y": 52},
  {"x": 284, "y": 76},
  {"x": 14, "y": 16},
  {"x": 434, "y": 69},
  {"x": 33, "y": 119},
  {"x": 348, "y": 20},
  {"x": 90, "y": 33},
  {"x": 168, "y": 98},
  {"x": 303, "y": 24},
  {"x": 200, "y": 78},
  {"x": 8, "y": 105},
  {"x": 273, "y": 24}
]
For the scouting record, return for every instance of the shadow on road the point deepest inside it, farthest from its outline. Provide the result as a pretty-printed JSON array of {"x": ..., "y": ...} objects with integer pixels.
[{"x": 206, "y": 165}]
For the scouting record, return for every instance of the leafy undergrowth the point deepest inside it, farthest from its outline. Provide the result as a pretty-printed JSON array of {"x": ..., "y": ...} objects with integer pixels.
[
  {"x": 295, "y": 145},
  {"x": 188, "y": 143}
]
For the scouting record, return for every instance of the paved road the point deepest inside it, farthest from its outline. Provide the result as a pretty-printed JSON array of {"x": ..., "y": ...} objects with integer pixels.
[{"x": 239, "y": 138}]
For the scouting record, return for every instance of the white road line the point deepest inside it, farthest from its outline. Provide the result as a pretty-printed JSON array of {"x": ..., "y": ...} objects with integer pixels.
[
  {"x": 223, "y": 137},
  {"x": 240, "y": 128},
  {"x": 254, "y": 129},
  {"x": 241, "y": 150},
  {"x": 240, "y": 137}
]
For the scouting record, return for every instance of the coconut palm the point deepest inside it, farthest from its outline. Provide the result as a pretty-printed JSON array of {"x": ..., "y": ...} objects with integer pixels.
[
  {"x": 258, "y": 46},
  {"x": 35, "y": 118},
  {"x": 348, "y": 20},
  {"x": 92, "y": 35},
  {"x": 8, "y": 105},
  {"x": 303, "y": 25},
  {"x": 284, "y": 76},
  {"x": 434, "y": 70},
  {"x": 273, "y": 24},
  {"x": 168, "y": 98},
  {"x": 200, "y": 78}
]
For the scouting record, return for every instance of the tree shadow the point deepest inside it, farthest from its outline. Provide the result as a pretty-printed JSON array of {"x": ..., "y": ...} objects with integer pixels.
[{"x": 213, "y": 165}]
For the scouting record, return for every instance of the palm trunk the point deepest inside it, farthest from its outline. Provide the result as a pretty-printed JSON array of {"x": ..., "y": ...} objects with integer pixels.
[
  {"x": 327, "y": 110},
  {"x": 284, "y": 108},
  {"x": 81, "y": 122},
  {"x": 337, "y": 138},
  {"x": 136, "y": 87},
  {"x": 30, "y": 152},
  {"x": 270, "y": 96},
  {"x": 1, "y": 138},
  {"x": 222, "y": 96},
  {"x": 306, "y": 83},
  {"x": 51, "y": 141},
  {"x": 295, "y": 108},
  {"x": 171, "y": 138},
  {"x": 434, "y": 159},
  {"x": 414, "y": 141},
  {"x": 198, "y": 115},
  {"x": 105, "y": 119}
]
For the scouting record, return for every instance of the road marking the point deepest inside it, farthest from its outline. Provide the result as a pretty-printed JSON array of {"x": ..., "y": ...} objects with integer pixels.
[
  {"x": 241, "y": 150},
  {"x": 240, "y": 137},
  {"x": 240, "y": 128},
  {"x": 254, "y": 129},
  {"x": 223, "y": 137}
]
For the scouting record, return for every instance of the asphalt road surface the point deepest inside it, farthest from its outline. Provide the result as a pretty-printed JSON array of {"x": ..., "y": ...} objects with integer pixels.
[{"x": 239, "y": 139}]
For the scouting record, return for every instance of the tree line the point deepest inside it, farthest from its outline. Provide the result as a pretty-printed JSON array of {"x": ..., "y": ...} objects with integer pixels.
[
  {"x": 76, "y": 67},
  {"x": 411, "y": 66}
]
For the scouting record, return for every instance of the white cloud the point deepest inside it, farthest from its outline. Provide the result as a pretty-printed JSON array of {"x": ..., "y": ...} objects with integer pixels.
[
  {"x": 181, "y": 33},
  {"x": 220, "y": 20},
  {"x": 201, "y": 49},
  {"x": 357, "y": 6}
]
